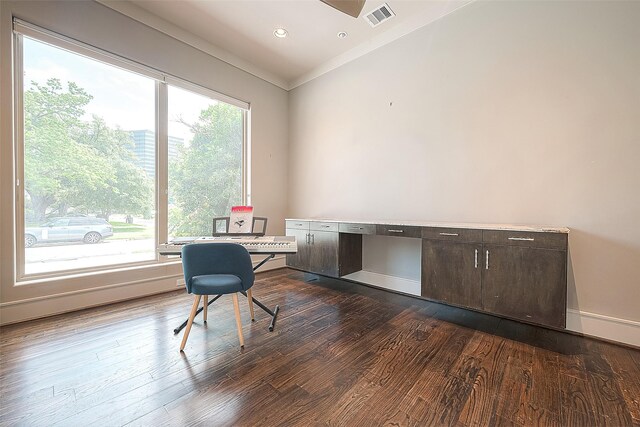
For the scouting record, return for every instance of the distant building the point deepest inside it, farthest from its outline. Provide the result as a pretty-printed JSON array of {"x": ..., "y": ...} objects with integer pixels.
[{"x": 145, "y": 148}]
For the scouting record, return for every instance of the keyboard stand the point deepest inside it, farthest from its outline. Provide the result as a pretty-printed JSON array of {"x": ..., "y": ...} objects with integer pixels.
[{"x": 273, "y": 314}]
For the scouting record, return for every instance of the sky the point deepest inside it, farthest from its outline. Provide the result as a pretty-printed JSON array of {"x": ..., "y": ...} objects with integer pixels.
[{"x": 122, "y": 98}]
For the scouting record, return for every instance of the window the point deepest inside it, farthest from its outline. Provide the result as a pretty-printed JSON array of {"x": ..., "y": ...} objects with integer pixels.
[
  {"x": 205, "y": 161},
  {"x": 80, "y": 116},
  {"x": 91, "y": 158}
]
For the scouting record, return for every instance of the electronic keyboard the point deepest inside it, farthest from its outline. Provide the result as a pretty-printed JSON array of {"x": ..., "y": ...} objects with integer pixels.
[{"x": 253, "y": 244}]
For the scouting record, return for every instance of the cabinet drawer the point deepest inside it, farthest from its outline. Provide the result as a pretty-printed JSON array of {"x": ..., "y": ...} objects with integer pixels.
[
  {"x": 452, "y": 234},
  {"x": 398, "y": 230},
  {"x": 526, "y": 239},
  {"x": 349, "y": 227},
  {"x": 323, "y": 226},
  {"x": 299, "y": 225}
]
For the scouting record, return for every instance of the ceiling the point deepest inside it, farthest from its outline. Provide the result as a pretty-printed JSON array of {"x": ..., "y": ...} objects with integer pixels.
[{"x": 241, "y": 31}]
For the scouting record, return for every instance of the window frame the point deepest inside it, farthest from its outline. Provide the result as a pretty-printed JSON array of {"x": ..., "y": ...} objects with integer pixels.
[{"x": 162, "y": 80}]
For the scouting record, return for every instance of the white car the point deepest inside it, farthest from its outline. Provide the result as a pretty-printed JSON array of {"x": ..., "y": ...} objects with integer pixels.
[{"x": 69, "y": 229}]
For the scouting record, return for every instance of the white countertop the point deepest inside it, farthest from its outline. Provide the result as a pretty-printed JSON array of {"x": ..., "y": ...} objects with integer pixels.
[{"x": 507, "y": 227}]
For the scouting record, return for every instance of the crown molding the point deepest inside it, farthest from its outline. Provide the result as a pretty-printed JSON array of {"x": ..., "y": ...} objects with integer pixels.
[{"x": 178, "y": 33}]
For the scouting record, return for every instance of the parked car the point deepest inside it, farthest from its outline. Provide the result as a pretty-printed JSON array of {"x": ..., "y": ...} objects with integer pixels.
[{"x": 69, "y": 229}]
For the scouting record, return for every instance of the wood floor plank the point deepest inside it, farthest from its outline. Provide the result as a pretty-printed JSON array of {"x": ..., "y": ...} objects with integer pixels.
[
  {"x": 627, "y": 375},
  {"x": 341, "y": 354},
  {"x": 635, "y": 355},
  {"x": 575, "y": 396},
  {"x": 493, "y": 356},
  {"x": 572, "y": 365},
  {"x": 158, "y": 417},
  {"x": 38, "y": 412},
  {"x": 450, "y": 401},
  {"x": 594, "y": 359},
  {"x": 580, "y": 419},
  {"x": 609, "y": 402},
  {"x": 545, "y": 392}
]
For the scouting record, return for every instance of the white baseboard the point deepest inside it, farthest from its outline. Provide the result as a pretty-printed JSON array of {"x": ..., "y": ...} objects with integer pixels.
[
  {"x": 35, "y": 308},
  {"x": 598, "y": 325},
  {"x": 393, "y": 283},
  {"x": 279, "y": 261}
]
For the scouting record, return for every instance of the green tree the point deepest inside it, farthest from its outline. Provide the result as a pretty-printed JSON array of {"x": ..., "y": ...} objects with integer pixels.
[
  {"x": 55, "y": 165},
  {"x": 206, "y": 177},
  {"x": 87, "y": 166},
  {"x": 127, "y": 190}
]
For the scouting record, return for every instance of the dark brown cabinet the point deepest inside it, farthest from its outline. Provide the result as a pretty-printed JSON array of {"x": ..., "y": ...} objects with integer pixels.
[
  {"x": 317, "y": 249},
  {"x": 323, "y": 252},
  {"x": 301, "y": 258},
  {"x": 451, "y": 272},
  {"x": 525, "y": 283},
  {"x": 520, "y": 274}
]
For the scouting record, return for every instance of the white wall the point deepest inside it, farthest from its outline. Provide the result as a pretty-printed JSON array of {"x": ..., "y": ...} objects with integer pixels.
[
  {"x": 509, "y": 112},
  {"x": 100, "y": 26}
]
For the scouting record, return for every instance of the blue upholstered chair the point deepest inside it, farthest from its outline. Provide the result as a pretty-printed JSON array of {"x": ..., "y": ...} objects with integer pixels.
[{"x": 215, "y": 269}]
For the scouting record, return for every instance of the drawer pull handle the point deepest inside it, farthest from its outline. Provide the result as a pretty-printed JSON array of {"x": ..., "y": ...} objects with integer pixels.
[
  {"x": 476, "y": 259},
  {"x": 486, "y": 265},
  {"x": 522, "y": 239},
  {"x": 448, "y": 234},
  {"x": 395, "y": 231},
  {"x": 325, "y": 226}
]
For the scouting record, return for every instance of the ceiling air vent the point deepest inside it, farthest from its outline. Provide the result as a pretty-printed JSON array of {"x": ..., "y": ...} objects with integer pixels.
[{"x": 379, "y": 15}]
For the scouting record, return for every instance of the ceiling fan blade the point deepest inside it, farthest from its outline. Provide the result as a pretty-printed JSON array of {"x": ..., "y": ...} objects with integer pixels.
[{"x": 350, "y": 7}]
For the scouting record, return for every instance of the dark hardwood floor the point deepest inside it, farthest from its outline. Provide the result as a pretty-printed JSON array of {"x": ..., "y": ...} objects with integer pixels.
[{"x": 341, "y": 354}]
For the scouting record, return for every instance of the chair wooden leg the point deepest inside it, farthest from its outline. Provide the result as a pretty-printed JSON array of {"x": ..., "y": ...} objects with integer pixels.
[
  {"x": 194, "y": 309},
  {"x": 236, "y": 308},
  {"x": 204, "y": 308},
  {"x": 250, "y": 298}
]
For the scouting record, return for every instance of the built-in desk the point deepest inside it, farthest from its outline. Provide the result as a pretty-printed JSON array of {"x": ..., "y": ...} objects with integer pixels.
[{"x": 515, "y": 271}]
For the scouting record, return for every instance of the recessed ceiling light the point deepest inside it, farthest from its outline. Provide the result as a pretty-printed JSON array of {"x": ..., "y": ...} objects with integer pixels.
[
  {"x": 342, "y": 35},
  {"x": 280, "y": 33}
]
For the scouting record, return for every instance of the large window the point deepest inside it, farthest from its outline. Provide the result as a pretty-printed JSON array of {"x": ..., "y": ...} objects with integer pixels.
[
  {"x": 205, "y": 161},
  {"x": 88, "y": 190},
  {"x": 92, "y": 159}
]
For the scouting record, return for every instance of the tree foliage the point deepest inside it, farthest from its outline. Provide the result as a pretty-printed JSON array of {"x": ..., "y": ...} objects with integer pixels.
[
  {"x": 69, "y": 163},
  {"x": 206, "y": 177},
  {"x": 88, "y": 166},
  {"x": 127, "y": 190}
]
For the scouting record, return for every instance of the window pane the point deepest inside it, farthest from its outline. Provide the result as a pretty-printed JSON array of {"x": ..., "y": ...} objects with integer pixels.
[
  {"x": 89, "y": 187},
  {"x": 205, "y": 161}
]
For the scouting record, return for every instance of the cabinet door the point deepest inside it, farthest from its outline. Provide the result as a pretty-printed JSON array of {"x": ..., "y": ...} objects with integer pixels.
[
  {"x": 323, "y": 253},
  {"x": 301, "y": 258},
  {"x": 525, "y": 283},
  {"x": 452, "y": 272}
]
